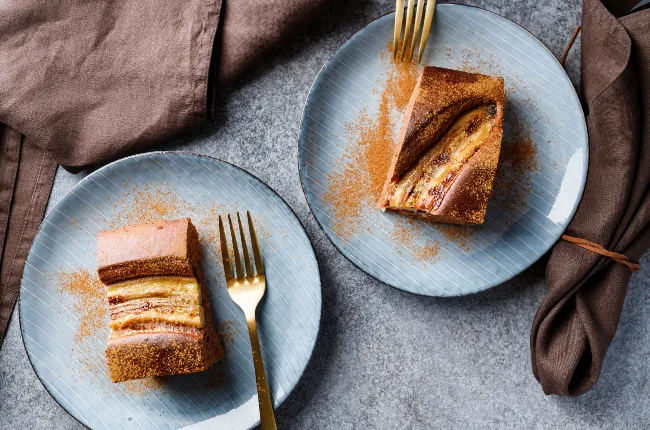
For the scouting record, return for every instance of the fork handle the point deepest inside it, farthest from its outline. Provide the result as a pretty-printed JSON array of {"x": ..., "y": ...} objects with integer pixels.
[{"x": 267, "y": 419}]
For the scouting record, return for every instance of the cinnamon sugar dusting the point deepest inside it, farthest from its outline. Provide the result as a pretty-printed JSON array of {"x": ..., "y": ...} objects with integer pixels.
[
  {"x": 519, "y": 150},
  {"x": 146, "y": 204},
  {"x": 513, "y": 185},
  {"x": 154, "y": 202},
  {"x": 91, "y": 310},
  {"x": 89, "y": 301},
  {"x": 358, "y": 183},
  {"x": 229, "y": 330},
  {"x": 407, "y": 234},
  {"x": 458, "y": 234},
  {"x": 143, "y": 386}
]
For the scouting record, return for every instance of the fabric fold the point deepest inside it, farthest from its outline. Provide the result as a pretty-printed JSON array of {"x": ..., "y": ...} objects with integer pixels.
[
  {"x": 251, "y": 28},
  {"x": 92, "y": 82},
  {"x": 578, "y": 318},
  {"x": 33, "y": 173}
]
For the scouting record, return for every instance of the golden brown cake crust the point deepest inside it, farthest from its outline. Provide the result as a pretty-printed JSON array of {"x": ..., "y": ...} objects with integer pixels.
[
  {"x": 154, "y": 249},
  {"x": 143, "y": 355},
  {"x": 440, "y": 97}
]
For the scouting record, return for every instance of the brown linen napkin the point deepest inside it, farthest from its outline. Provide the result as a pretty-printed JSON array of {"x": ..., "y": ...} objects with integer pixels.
[
  {"x": 84, "y": 83},
  {"x": 578, "y": 318}
]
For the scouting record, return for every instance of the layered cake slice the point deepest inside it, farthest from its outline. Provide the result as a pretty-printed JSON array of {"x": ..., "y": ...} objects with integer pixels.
[
  {"x": 448, "y": 148},
  {"x": 159, "y": 308}
]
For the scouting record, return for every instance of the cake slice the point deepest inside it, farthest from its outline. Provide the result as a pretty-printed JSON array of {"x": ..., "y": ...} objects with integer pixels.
[
  {"x": 448, "y": 149},
  {"x": 159, "y": 308}
]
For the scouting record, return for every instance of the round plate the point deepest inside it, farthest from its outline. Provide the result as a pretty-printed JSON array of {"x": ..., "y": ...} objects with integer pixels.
[
  {"x": 64, "y": 323},
  {"x": 541, "y": 101}
]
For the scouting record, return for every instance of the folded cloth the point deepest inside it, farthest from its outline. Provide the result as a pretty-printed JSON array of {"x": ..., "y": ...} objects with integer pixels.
[
  {"x": 578, "y": 318},
  {"x": 85, "y": 82}
]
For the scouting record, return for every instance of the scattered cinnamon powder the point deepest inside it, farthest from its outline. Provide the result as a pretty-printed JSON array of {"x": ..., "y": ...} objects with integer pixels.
[
  {"x": 471, "y": 62},
  {"x": 407, "y": 233},
  {"x": 150, "y": 203},
  {"x": 345, "y": 197},
  {"x": 377, "y": 145},
  {"x": 208, "y": 224},
  {"x": 402, "y": 77},
  {"x": 91, "y": 309},
  {"x": 142, "y": 386},
  {"x": 458, "y": 234},
  {"x": 93, "y": 360},
  {"x": 358, "y": 183},
  {"x": 519, "y": 150},
  {"x": 74, "y": 223},
  {"x": 146, "y": 203},
  {"x": 229, "y": 330},
  {"x": 90, "y": 304},
  {"x": 513, "y": 185}
]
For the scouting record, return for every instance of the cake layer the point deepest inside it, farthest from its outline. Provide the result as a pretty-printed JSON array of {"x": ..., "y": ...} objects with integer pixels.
[
  {"x": 157, "y": 310},
  {"x": 154, "y": 249},
  {"x": 157, "y": 286},
  {"x": 143, "y": 355},
  {"x": 171, "y": 299}
]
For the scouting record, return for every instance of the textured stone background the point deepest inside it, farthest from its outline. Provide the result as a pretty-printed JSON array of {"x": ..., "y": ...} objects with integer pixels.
[{"x": 387, "y": 359}]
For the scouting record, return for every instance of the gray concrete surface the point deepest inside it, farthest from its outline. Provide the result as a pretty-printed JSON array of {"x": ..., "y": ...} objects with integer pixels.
[{"x": 387, "y": 359}]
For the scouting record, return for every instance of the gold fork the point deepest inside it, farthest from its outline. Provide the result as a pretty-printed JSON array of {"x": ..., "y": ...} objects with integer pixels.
[
  {"x": 246, "y": 290},
  {"x": 399, "y": 20}
]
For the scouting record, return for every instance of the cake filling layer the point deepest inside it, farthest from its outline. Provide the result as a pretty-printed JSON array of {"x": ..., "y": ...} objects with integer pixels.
[
  {"x": 169, "y": 299},
  {"x": 424, "y": 185},
  {"x": 158, "y": 286},
  {"x": 156, "y": 327}
]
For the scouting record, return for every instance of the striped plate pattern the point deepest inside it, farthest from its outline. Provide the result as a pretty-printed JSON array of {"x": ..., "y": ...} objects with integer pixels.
[
  {"x": 74, "y": 371},
  {"x": 539, "y": 95}
]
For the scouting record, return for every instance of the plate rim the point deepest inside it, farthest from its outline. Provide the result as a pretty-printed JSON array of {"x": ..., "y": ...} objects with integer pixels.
[
  {"x": 301, "y": 374},
  {"x": 576, "y": 204}
]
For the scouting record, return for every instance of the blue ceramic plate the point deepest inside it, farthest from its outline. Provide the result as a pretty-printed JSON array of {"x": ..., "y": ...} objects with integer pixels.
[
  {"x": 541, "y": 174},
  {"x": 63, "y": 318}
]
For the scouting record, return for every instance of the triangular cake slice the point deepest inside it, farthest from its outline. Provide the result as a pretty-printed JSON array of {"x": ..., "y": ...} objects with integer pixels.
[{"x": 448, "y": 149}]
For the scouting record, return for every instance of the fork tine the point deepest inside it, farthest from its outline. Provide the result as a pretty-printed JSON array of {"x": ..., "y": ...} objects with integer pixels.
[
  {"x": 418, "y": 22},
  {"x": 244, "y": 248},
  {"x": 259, "y": 266},
  {"x": 399, "y": 18},
  {"x": 407, "y": 30},
  {"x": 225, "y": 255},
  {"x": 240, "y": 272},
  {"x": 428, "y": 18}
]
